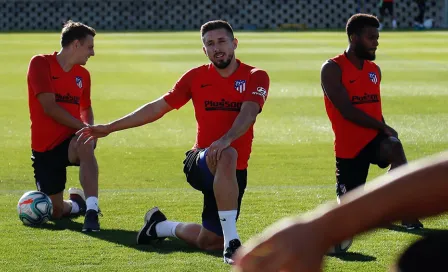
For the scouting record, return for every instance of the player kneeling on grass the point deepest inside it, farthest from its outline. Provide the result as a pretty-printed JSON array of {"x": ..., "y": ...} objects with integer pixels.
[
  {"x": 59, "y": 102},
  {"x": 227, "y": 96},
  {"x": 351, "y": 86}
]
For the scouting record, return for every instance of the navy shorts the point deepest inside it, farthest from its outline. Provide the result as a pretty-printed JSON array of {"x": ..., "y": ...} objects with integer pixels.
[
  {"x": 50, "y": 168},
  {"x": 199, "y": 177},
  {"x": 351, "y": 173}
]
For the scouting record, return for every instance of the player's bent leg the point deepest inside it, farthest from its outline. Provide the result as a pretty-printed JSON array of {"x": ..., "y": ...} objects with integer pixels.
[
  {"x": 392, "y": 151},
  {"x": 226, "y": 193},
  {"x": 83, "y": 154},
  {"x": 225, "y": 184}
]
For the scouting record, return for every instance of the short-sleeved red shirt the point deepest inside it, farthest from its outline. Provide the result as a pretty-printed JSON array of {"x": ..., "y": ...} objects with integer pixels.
[
  {"x": 217, "y": 102},
  {"x": 72, "y": 93}
]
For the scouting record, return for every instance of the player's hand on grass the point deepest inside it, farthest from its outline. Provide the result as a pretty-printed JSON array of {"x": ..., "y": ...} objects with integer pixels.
[
  {"x": 215, "y": 150},
  {"x": 288, "y": 245},
  {"x": 92, "y": 132}
]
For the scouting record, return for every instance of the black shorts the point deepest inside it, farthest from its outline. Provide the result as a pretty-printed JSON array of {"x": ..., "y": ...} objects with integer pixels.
[
  {"x": 351, "y": 173},
  {"x": 389, "y": 6},
  {"x": 50, "y": 171},
  {"x": 199, "y": 177}
]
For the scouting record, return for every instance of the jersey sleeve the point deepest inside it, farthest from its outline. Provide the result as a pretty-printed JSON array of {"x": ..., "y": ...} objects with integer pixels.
[
  {"x": 180, "y": 94},
  {"x": 85, "y": 98},
  {"x": 39, "y": 76},
  {"x": 258, "y": 87}
]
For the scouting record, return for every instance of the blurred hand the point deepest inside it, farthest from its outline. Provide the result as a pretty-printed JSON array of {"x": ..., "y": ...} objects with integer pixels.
[
  {"x": 215, "y": 149},
  {"x": 289, "y": 245},
  {"x": 92, "y": 132}
]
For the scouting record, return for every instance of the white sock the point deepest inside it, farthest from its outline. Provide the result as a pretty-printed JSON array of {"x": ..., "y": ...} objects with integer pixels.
[
  {"x": 92, "y": 203},
  {"x": 228, "y": 224},
  {"x": 166, "y": 228},
  {"x": 75, "y": 207},
  {"x": 394, "y": 23}
]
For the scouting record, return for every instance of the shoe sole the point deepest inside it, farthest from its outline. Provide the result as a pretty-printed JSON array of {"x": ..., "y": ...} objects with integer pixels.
[
  {"x": 149, "y": 214},
  {"x": 76, "y": 191}
]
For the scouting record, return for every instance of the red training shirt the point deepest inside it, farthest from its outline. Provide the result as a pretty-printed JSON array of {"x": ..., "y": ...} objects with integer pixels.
[{"x": 217, "y": 102}]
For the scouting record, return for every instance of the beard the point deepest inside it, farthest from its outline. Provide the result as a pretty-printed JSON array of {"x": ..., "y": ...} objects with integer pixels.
[
  {"x": 222, "y": 64},
  {"x": 362, "y": 52}
]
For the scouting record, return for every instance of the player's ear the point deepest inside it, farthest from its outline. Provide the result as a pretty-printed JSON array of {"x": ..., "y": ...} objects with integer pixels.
[
  {"x": 75, "y": 44},
  {"x": 235, "y": 43},
  {"x": 205, "y": 51}
]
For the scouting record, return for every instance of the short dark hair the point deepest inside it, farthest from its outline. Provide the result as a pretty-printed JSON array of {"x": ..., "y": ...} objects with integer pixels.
[
  {"x": 357, "y": 23},
  {"x": 217, "y": 24},
  {"x": 75, "y": 31}
]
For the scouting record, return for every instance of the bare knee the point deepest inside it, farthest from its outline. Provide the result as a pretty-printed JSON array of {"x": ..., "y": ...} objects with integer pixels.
[
  {"x": 229, "y": 155},
  {"x": 85, "y": 151}
]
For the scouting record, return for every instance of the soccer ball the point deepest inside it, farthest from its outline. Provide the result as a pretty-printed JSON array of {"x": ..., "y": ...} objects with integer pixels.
[
  {"x": 34, "y": 208},
  {"x": 340, "y": 248}
]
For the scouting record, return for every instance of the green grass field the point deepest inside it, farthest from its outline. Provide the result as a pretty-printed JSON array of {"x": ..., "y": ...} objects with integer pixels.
[{"x": 292, "y": 166}]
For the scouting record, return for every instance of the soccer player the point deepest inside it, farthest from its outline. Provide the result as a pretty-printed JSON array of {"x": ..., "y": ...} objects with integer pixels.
[
  {"x": 351, "y": 85},
  {"x": 299, "y": 244},
  {"x": 227, "y": 96},
  {"x": 59, "y": 103},
  {"x": 387, "y": 5}
]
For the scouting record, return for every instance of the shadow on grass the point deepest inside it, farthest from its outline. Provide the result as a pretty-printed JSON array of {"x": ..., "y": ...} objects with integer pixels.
[
  {"x": 127, "y": 238},
  {"x": 422, "y": 232},
  {"x": 353, "y": 257}
]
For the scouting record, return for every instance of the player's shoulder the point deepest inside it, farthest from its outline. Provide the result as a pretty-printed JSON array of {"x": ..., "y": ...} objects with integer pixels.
[
  {"x": 198, "y": 70},
  {"x": 40, "y": 59},
  {"x": 330, "y": 66},
  {"x": 372, "y": 63},
  {"x": 252, "y": 70},
  {"x": 82, "y": 70}
]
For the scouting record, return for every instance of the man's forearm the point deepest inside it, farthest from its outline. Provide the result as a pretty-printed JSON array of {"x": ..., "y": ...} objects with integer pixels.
[
  {"x": 240, "y": 126},
  {"x": 362, "y": 119},
  {"x": 87, "y": 116},
  {"x": 147, "y": 113},
  {"x": 61, "y": 116}
]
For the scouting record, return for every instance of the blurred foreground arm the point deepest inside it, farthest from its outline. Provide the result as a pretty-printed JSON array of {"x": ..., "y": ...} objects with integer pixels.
[{"x": 419, "y": 189}]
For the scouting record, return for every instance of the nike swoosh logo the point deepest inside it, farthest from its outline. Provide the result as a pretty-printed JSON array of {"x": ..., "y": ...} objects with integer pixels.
[
  {"x": 150, "y": 226},
  {"x": 205, "y": 85},
  {"x": 223, "y": 219},
  {"x": 351, "y": 81},
  {"x": 55, "y": 77}
]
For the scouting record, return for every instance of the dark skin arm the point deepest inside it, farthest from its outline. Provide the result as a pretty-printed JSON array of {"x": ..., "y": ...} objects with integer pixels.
[{"x": 331, "y": 81}]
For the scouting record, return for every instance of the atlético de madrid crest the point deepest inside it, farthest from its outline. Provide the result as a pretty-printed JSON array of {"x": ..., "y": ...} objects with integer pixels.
[
  {"x": 79, "y": 81},
  {"x": 240, "y": 85},
  {"x": 373, "y": 77}
]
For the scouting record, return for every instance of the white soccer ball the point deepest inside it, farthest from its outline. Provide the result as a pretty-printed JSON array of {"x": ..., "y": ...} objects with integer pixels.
[
  {"x": 340, "y": 248},
  {"x": 34, "y": 208}
]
